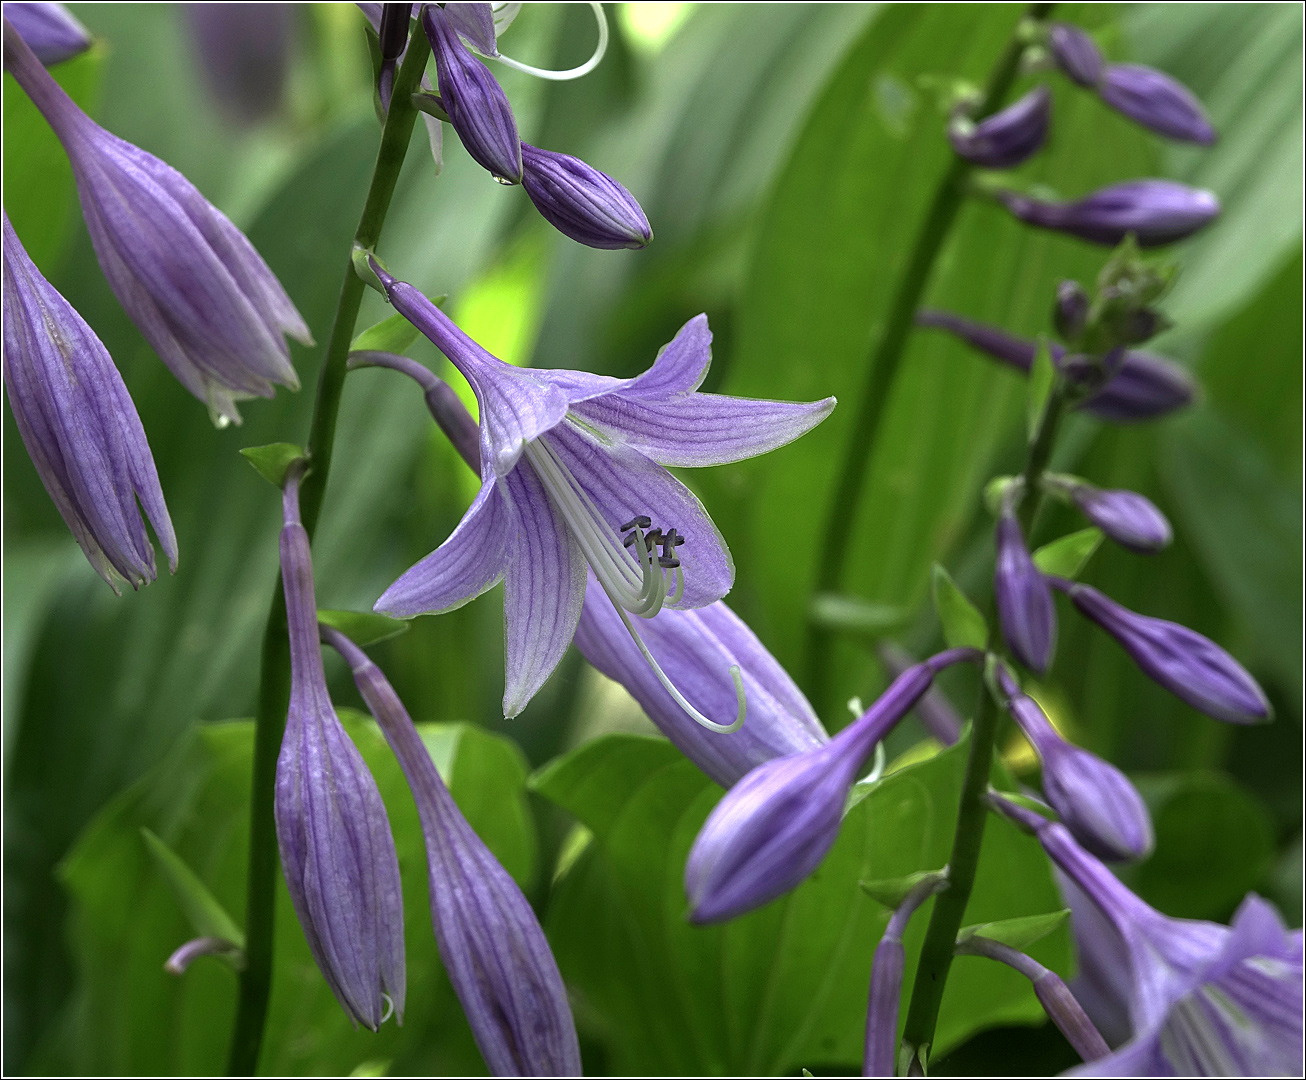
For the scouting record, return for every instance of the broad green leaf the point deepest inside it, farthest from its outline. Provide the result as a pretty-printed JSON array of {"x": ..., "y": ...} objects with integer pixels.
[
  {"x": 1039, "y": 387},
  {"x": 1019, "y": 933},
  {"x": 1068, "y": 555},
  {"x": 364, "y": 628},
  {"x": 852, "y": 615},
  {"x": 963, "y": 625},
  {"x": 273, "y": 461},
  {"x": 782, "y": 988},
  {"x": 392, "y": 334},
  {"x": 203, "y": 910}
]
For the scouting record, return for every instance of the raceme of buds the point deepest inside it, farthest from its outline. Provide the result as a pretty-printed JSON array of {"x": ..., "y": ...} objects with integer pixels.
[
  {"x": 491, "y": 943},
  {"x": 192, "y": 283},
  {"x": 1071, "y": 310},
  {"x": 1190, "y": 666},
  {"x": 49, "y": 30},
  {"x": 1075, "y": 53},
  {"x": 80, "y": 426},
  {"x": 1156, "y": 101},
  {"x": 337, "y": 852},
  {"x": 1130, "y": 519},
  {"x": 1005, "y": 139},
  {"x": 1145, "y": 387},
  {"x": 581, "y": 202},
  {"x": 1093, "y": 798},
  {"x": 476, "y": 105},
  {"x": 775, "y": 826},
  {"x": 1023, "y": 597},
  {"x": 1156, "y": 211}
]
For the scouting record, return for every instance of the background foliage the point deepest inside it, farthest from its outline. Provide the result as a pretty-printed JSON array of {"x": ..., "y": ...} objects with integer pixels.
[{"x": 783, "y": 154}]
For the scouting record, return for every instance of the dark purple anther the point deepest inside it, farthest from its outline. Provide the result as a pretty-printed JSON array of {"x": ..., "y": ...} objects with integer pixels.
[
  {"x": 1024, "y": 598},
  {"x": 1076, "y": 53},
  {"x": 1130, "y": 519},
  {"x": 1155, "y": 100},
  {"x": 49, "y": 30},
  {"x": 1005, "y": 139},
  {"x": 477, "y": 107},
  {"x": 1156, "y": 211},
  {"x": 581, "y": 202},
  {"x": 1071, "y": 310},
  {"x": 1190, "y": 666}
]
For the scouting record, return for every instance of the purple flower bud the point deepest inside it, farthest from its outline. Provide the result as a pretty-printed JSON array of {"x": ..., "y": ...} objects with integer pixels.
[
  {"x": 1071, "y": 310},
  {"x": 581, "y": 202},
  {"x": 1155, "y": 100},
  {"x": 244, "y": 53},
  {"x": 1190, "y": 666},
  {"x": 1024, "y": 598},
  {"x": 336, "y": 849},
  {"x": 1075, "y": 53},
  {"x": 490, "y": 941},
  {"x": 1156, "y": 211},
  {"x": 392, "y": 29},
  {"x": 934, "y": 710},
  {"x": 775, "y": 826},
  {"x": 477, "y": 106},
  {"x": 1130, "y": 519},
  {"x": 475, "y": 25},
  {"x": 80, "y": 426},
  {"x": 192, "y": 283},
  {"x": 49, "y": 30},
  {"x": 1005, "y": 139},
  {"x": 1094, "y": 799}
]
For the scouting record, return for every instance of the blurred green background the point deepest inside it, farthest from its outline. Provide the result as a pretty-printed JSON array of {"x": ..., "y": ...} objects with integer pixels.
[{"x": 784, "y": 154}]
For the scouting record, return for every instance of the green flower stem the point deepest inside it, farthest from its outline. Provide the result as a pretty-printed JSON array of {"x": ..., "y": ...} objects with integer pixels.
[
  {"x": 274, "y": 686},
  {"x": 883, "y": 369}
]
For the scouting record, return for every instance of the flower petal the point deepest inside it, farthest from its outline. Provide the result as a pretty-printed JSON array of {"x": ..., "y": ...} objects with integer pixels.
[{"x": 680, "y": 367}]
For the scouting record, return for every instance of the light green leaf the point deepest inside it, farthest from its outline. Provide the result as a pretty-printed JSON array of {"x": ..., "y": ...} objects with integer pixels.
[
  {"x": 392, "y": 334},
  {"x": 1039, "y": 388},
  {"x": 1019, "y": 933},
  {"x": 893, "y": 891},
  {"x": 1068, "y": 555},
  {"x": 853, "y": 615},
  {"x": 207, "y": 917},
  {"x": 274, "y": 460},
  {"x": 963, "y": 625},
  {"x": 364, "y": 628}
]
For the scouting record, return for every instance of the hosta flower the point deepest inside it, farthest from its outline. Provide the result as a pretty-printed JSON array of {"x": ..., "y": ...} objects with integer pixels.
[
  {"x": 1005, "y": 139},
  {"x": 80, "y": 426},
  {"x": 1155, "y": 211},
  {"x": 1155, "y": 100},
  {"x": 1075, "y": 53},
  {"x": 194, "y": 285},
  {"x": 572, "y": 469},
  {"x": 1024, "y": 598},
  {"x": 490, "y": 941},
  {"x": 1130, "y": 519},
  {"x": 581, "y": 202},
  {"x": 49, "y": 30}
]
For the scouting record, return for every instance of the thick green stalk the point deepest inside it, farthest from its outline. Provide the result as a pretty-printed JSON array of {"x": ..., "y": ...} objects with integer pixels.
[
  {"x": 887, "y": 357},
  {"x": 274, "y": 686}
]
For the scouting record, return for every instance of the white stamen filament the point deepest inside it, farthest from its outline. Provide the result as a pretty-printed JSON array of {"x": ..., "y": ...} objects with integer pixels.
[{"x": 569, "y": 73}]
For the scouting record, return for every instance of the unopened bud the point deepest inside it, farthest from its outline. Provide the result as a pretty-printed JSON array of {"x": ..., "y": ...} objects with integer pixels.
[
  {"x": 1005, "y": 139},
  {"x": 1155, "y": 211},
  {"x": 1158, "y": 102},
  {"x": 1071, "y": 310}
]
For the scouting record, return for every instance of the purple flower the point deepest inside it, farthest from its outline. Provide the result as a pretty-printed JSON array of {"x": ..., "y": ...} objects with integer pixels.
[
  {"x": 1155, "y": 100},
  {"x": 775, "y": 826},
  {"x": 474, "y": 23},
  {"x": 1155, "y": 211},
  {"x": 1193, "y": 668},
  {"x": 572, "y": 469},
  {"x": 1095, "y": 800},
  {"x": 49, "y": 30},
  {"x": 581, "y": 202},
  {"x": 1024, "y": 598},
  {"x": 1075, "y": 53},
  {"x": 194, "y": 285},
  {"x": 1005, "y": 139},
  {"x": 476, "y": 105},
  {"x": 336, "y": 849},
  {"x": 80, "y": 426},
  {"x": 490, "y": 941},
  {"x": 244, "y": 53},
  {"x": 933, "y": 710},
  {"x": 1130, "y": 519},
  {"x": 1145, "y": 387},
  {"x": 1184, "y": 997}
]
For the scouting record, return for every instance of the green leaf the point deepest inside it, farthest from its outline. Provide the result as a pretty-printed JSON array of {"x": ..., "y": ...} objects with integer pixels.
[
  {"x": 853, "y": 615},
  {"x": 784, "y": 986},
  {"x": 274, "y": 460},
  {"x": 1019, "y": 933},
  {"x": 893, "y": 891},
  {"x": 207, "y": 917},
  {"x": 392, "y": 334},
  {"x": 1068, "y": 555},
  {"x": 1039, "y": 388},
  {"x": 963, "y": 625},
  {"x": 364, "y": 628}
]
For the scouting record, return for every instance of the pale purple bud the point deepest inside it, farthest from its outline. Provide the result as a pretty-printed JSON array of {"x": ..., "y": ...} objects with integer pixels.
[
  {"x": 775, "y": 826},
  {"x": 192, "y": 283},
  {"x": 1005, "y": 139},
  {"x": 337, "y": 852},
  {"x": 1190, "y": 666},
  {"x": 80, "y": 426},
  {"x": 491, "y": 943},
  {"x": 1075, "y": 53},
  {"x": 581, "y": 202},
  {"x": 1156, "y": 211},
  {"x": 1157, "y": 101},
  {"x": 1071, "y": 310},
  {"x": 1094, "y": 799},
  {"x": 244, "y": 53},
  {"x": 934, "y": 710},
  {"x": 1130, "y": 519},
  {"x": 477, "y": 107},
  {"x": 1024, "y": 598},
  {"x": 49, "y": 30}
]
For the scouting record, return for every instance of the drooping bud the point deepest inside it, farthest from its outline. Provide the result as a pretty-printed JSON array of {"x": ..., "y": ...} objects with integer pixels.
[
  {"x": 49, "y": 30},
  {"x": 1095, "y": 800},
  {"x": 1158, "y": 102},
  {"x": 1130, "y": 519},
  {"x": 1076, "y": 53},
  {"x": 477, "y": 107},
  {"x": 775, "y": 826},
  {"x": 1005, "y": 139},
  {"x": 337, "y": 852},
  {"x": 1190, "y": 666},
  {"x": 1156, "y": 211},
  {"x": 581, "y": 202},
  {"x": 1071, "y": 310},
  {"x": 1024, "y": 598},
  {"x": 933, "y": 710}
]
